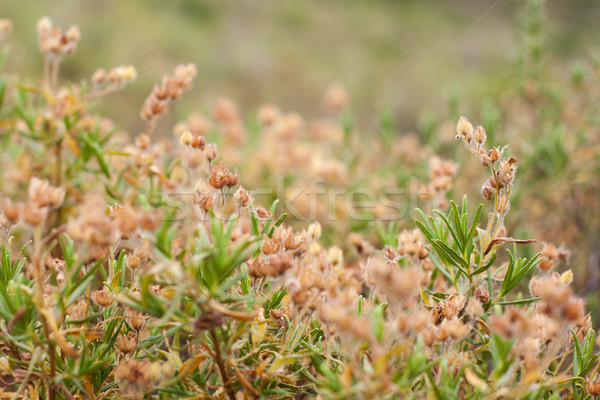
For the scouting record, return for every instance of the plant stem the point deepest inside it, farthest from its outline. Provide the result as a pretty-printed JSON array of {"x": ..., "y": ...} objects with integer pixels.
[
  {"x": 46, "y": 74},
  {"x": 59, "y": 163},
  {"x": 221, "y": 365},
  {"x": 54, "y": 83},
  {"x": 39, "y": 301}
]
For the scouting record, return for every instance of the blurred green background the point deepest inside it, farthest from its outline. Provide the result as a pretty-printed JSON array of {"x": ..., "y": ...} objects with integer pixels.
[{"x": 287, "y": 52}]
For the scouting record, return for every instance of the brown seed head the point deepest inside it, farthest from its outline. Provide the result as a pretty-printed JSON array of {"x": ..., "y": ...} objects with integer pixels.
[{"x": 127, "y": 343}]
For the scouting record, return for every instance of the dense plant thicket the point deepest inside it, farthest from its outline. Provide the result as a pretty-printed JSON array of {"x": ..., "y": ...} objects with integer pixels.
[{"x": 155, "y": 269}]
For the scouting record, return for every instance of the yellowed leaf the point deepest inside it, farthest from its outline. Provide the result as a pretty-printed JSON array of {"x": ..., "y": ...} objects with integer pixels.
[{"x": 475, "y": 381}]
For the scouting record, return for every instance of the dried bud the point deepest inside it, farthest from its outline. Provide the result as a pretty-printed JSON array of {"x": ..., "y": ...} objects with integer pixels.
[
  {"x": 278, "y": 264},
  {"x": 494, "y": 154},
  {"x": 335, "y": 256},
  {"x": 211, "y": 152},
  {"x": 127, "y": 343},
  {"x": 566, "y": 278},
  {"x": 464, "y": 128},
  {"x": 34, "y": 215},
  {"x": 73, "y": 34},
  {"x": 257, "y": 268},
  {"x": 143, "y": 141},
  {"x": 483, "y": 295},
  {"x": 268, "y": 113},
  {"x": 5, "y": 28},
  {"x": 314, "y": 230},
  {"x": 134, "y": 260},
  {"x": 186, "y": 138},
  {"x": 42, "y": 194},
  {"x": 11, "y": 212},
  {"x": 242, "y": 197},
  {"x": 293, "y": 242},
  {"x": 593, "y": 387},
  {"x": 262, "y": 213},
  {"x": 487, "y": 192},
  {"x": 480, "y": 135},
  {"x": 574, "y": 309},
  {"x": 44, "y": 25},
  {"x": 104, "y": 297},
  {"x": 135, "y": 319},
  {"x": 99, "y": 76},
  {"x": 205, "y": 201},
  {"x": 336, "y": 97},
  {"x": 225, "y": 110},
  {"x": 198, "y": 142},
  {"x": 127, "y": 73},
  {"x": 220, "y": 177}
]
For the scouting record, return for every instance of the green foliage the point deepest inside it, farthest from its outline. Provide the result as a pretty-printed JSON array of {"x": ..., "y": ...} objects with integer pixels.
[{"x": 452, "y": 239}]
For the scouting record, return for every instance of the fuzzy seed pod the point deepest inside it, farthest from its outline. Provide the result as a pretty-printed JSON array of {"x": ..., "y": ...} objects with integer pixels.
[
  {"x": 593, "y": 387},
  {"x": 211, "y": 152},
  {"x": 483, "y": 295},
  {"x": 103, "y": 297},
  {"x": 487, "y": 192},
  {"x": 314, "y": 231},
  {"x": 127, "y": 343},
  {"x": 135, "y": 319},
  {"x": 480, "y": 135},
  {"x": 464, "y": 128}
]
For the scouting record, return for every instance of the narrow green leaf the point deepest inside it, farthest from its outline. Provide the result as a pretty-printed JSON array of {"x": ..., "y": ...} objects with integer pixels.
[
  {"x": 277, "y": 223},
  {"x": 460, "y": 262},
  {"x": 578, "y": 359},
  {"x": 517, "y": 302},
  {"x": 486, "y": 266},
  {"x": 442, "y": 270},
  {"x": 457, "y": 240}
]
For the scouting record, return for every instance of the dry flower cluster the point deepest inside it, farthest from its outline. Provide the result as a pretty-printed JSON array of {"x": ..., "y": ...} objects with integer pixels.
[{"x": 129, "y": 271}]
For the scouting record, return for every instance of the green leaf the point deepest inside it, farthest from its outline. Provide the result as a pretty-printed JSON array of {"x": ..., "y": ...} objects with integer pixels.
[
  {"x": 517, "y": 302},
  {"x": 379, "y": 321},
  {"x": 486, "y": 266},
  {"x": 457, "y": 223},
  {"x": 578, "y": 359},
  {"x": 72, "y": 290},
  {"x": 451, "y": 228},
  {"x": 471, "y": 233},
  {"x": 254, "y": 223},
  {"x": 97, "y": 151},
  {"x": 68, "y": 250},
  {"x": 277, "y": 223},
  {"x": 440, "y": 268},
  {"x": 460, "y": 263},
  {"x": 268, "y": 222}
]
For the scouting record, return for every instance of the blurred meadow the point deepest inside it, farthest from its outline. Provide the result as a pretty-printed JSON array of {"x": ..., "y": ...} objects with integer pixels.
[
  {"x": 411, "y": 68},
  {"x": 263, "y": 237},
  {"x": 288, "y": 52}
]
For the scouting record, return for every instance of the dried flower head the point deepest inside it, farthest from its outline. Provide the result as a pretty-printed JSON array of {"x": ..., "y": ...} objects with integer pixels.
[
  {"x": 464, "y": 129},
  {"x": 243, "y": 198},
  {"x": 127, "y": 343},
  {"x": 552, "y": 254},
  {"x": 170, "y": 89},
  {"x": 336, "y": 97},
  {"x": 103, "y": 297},
  {"x": 268, "y": 114},
  {"x": 42, "y": 194},
  {"x": 220, "y": 177},
  {"x": 5, "y": 28}
]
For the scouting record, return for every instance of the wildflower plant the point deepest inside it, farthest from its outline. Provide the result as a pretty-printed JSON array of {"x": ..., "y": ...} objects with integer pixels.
[{"x": 145, "y": 270}]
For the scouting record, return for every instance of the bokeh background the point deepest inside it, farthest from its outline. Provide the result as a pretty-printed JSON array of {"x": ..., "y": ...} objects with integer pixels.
[{"x": 287, "y": 52}]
